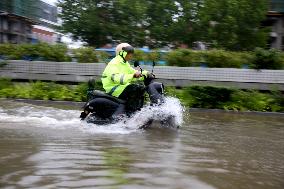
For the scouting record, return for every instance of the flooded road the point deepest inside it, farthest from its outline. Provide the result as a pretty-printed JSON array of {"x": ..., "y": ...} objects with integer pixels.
[{"x": 49, "y": 147}]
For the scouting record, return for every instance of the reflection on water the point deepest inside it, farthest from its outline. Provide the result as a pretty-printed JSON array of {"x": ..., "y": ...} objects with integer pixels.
[{"x": 211, "y": 150}]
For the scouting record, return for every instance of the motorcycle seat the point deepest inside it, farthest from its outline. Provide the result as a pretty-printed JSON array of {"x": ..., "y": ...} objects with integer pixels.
[{"x": 102, "y": 94}]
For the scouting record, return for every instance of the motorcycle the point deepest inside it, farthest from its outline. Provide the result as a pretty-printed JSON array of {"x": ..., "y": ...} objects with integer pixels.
[{"x": 102, "y": 108}]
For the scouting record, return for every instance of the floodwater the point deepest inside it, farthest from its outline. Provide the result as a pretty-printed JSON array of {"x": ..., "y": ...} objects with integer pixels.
[{"x": 49, "y": 147}]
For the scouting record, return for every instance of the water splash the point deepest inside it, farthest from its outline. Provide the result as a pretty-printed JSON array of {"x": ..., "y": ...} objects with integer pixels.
[
  {"x": 54, "y": 118},
  {"x": 171, "y": 108}
]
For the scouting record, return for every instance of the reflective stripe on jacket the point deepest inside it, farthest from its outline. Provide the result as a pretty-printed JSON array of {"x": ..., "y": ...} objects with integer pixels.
[{"x": 118, "y": 75}]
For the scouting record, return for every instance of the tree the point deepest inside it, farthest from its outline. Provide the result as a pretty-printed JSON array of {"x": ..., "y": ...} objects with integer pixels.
[
  {"x": 139, "y": 22},
  {"x": 233, "y": 24},
  {"x": 228, "y": 24},
  {"x": 98, "y": 22}
]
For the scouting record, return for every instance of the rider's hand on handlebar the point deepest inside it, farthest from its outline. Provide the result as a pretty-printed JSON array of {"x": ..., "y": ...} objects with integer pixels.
[
  {"x": 151, "y": 76},
  {"x": 137, "y": 74}
]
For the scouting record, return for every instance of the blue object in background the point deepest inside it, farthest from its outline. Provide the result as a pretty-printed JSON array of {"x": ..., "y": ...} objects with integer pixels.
[
  {"x": 203, "y": 65},
  {"x": 111, "y": 52},
  {"x": 245, "y": 66},
  {"x": 34, "y": 41}
]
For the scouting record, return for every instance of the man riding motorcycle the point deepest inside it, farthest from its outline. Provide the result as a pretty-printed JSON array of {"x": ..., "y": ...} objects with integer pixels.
[{"x": 120, "y": 80}]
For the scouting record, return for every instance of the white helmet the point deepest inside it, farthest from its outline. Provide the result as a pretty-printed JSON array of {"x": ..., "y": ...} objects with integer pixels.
[{"x": 124, "y": 47}]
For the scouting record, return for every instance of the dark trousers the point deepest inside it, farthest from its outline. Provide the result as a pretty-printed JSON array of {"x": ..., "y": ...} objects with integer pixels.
[{"x": 133, "y": 94}]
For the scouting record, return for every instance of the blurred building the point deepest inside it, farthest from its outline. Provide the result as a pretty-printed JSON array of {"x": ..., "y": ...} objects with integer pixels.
[
  {"x": 16, "y": 20},
  {"x": 47, "y": 18},
  {"x": 275, "y": 19},
  {"x": 27, "y": 21},
  {"x": 45, "y": 34}
]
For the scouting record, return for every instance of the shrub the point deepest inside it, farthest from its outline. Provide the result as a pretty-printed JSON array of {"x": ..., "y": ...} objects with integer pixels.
[
  {"x": 39, "y": 51},
  {"x": 102, "y": 56},
  {"x": 227, "y": 59},
  {"x": 148, "y": 57},
  {"x": 195, "y": 96},
  {"x": 208, "y": 97},
  {"x": 45, "y": 90},
  {"x": 228, "y": 99},
  {"x": 268, "y": 59},
  {"x": 212, "y": 58},
  {"x": 5, "y": 83},
  {"x": 85, "y": 55},
  {"x": 153, "y": 56},
  {"x": 181, "y": 57},
  {"x": 278, "y": 101},
  {"x": 252, "y": 100},
  {"x": 139, "y": 55},
  {"x": 59, "y": 53},
  {"x": 40, "y": 91},
  {"x": 6, "y": 50}
]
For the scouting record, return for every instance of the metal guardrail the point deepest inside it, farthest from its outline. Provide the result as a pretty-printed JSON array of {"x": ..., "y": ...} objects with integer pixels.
[{"x": 178, "y": 76}]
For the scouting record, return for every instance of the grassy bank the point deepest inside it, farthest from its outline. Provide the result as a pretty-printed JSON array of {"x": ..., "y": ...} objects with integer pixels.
[
  {"x": 229, "y": 99},
  {"x": 43, "y": 90},
  {"x": 195, "y": 96}
]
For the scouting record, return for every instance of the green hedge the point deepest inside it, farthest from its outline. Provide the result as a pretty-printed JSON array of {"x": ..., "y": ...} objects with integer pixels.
[
  {"x": 268, "y": 59},
  {"x": 44, "y": 90},
  {"x": 40, "y": 51},
  {"x": 229, "y": 99},
  {"x": 88, "y": 55},
  {"x": 195, "y": 96},
  {"x": 147, "y": 57},
  {"x": 259, "y": 59},
  {"x": 47, "y": 52}
]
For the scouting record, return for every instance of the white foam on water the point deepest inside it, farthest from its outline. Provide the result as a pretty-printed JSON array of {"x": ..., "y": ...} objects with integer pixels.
[
  {"x": 54, "y": 118},
  {"x": 40, "y": 116},
  {"x": 171, "y": 108}
]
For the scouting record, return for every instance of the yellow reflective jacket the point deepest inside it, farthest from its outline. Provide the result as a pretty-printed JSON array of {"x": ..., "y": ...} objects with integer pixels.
[{"x": 117, "y": 75}]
